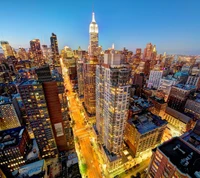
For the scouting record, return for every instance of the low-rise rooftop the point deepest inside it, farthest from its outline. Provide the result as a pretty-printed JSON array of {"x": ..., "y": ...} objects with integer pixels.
[
  {"x": 111, "y": 156},
  {"x": 141, "y": 102},
  {"x": 11, "y": 137},
  {"x": 185, "y": 87},
  {"x": 31, "y": 170},
  {"x": 146, "y": 122},
  {"x": 29, "y": 82},
  {"x": 180, "y": 116},
  {"x": 182, "y": 156},
  {"x": 159, "y": 100},
  {"x": 4, "y": 100}
]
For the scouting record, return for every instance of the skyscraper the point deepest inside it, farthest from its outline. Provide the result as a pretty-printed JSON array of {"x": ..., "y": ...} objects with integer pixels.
[
  {"x": 89, "y": 69},
  {"x": 94, "y": 37},
  {"x": 36, "y": 49},
  {"x": 112, "y": 102},
  {"x": 54, "y": 48},
  {"x": 33, "y": 97},
  {"x": 7, "y": 49}
]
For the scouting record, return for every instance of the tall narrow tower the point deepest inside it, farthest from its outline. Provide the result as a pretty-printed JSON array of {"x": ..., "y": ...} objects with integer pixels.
[
  {"x": 54, "y": 47},
  {"x": 94, "y": 37}
]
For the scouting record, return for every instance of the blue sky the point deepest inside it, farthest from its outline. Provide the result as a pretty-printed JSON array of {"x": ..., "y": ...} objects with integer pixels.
[{"x": 172, "y": 25}]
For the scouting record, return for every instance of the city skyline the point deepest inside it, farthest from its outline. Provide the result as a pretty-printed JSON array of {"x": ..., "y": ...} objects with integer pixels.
[{"x": 172, "y": 28}]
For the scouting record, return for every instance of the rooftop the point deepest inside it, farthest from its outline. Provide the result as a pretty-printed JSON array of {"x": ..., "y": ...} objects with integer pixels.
[
  {"x": 30, "y": 170},
  {"x": 180, "y": 116},
  {"x": 181, "y": 155},
  {"x": 4, "y": 100},
  {"x": 185, "y": 87},
  {"x": 159, "y": 100},
  {"x": 193, "y": 136},
  {"x": 11, "y": 137},
  {"x": 141, "y": 102},
  {"x": 29, "y": 82},
  {"x": 146, "y": 122},
  {"x": 111, "y": 156}
]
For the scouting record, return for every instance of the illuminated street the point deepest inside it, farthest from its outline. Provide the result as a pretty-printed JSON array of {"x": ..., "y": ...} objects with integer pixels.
[{"x": 82, "y": 132}]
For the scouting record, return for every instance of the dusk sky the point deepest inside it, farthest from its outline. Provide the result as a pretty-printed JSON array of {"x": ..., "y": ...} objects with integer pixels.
[{"x": 172, "y": 25}]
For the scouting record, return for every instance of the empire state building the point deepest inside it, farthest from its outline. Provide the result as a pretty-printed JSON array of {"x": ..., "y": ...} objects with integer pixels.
[{"x": 94, "y": 37}]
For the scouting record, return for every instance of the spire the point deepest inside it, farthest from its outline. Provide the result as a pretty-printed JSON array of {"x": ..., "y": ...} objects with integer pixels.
[
  {"x": 113, "y": 46},
  {"x": 93, "y": 17}
]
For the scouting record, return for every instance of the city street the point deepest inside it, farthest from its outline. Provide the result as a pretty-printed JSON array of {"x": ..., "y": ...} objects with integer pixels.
[{"x": 81, "y": 131}]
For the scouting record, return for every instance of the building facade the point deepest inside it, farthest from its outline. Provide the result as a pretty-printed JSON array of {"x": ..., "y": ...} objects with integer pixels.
[
  {"x": 36, "y": 50},
  {"x": 144, "y": 132},
  {"x": 154, "y": 78},
  {"x": 112, "y": 101},
  {"x": 14, "y": 146},
  {"x": 8, "y": 115},
  {"x": 179, "y": 95},
  {"x": 94, "y": 37}
]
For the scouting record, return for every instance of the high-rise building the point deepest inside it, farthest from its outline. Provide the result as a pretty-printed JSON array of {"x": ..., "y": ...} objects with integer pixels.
[
  {"x": 33, "y": 97},
  {"x": 150, "y": 52},
  {"x": 36, "y": 49},
  {"x": 8, "y": 115},
  {"x": 7, "y": 49},
  {"x": 112, "y": 102},
  {"x": 54, "y": 48},
  {"x": 80, "y": 77},
  {"x": 94, "y": 35},
  {"x": 22, "y": 54},
  {"x": 53, "y": 88},
  {"x": 144, "y": 132},
  {"x": 89, "y": 69}
]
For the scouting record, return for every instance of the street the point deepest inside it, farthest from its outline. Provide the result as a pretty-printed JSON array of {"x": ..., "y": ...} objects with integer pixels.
[{"x": 81, "y": 131}]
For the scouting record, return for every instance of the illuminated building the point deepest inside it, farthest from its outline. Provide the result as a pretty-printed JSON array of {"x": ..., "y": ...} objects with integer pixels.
[
  {"x": 36, "y": 50},
  {"x": 8, "y": 114},
  {"x": 7, "y": 49},
  {"x": 14, "y": 146},
  {"x": 112, "y": 102},
  {"x": 47, "y": 53},
  {"x": 144, "y": 132},
  {"x": 150, "y": 52},
  {"x": 193, "y": 107},
  {"x": 166, "y": 84},
  {"x": 175, "y": 158},
  {"x": 80, "y": 77},
  {"x": 53, "y": 88},
  {"x": 54, "y": 48},
  {"x": 159, "y": 105},
  {"x": 89, "y": 69},
  {"x": 22, "y": 54},
  {"x": 33, "y": 98},
  {"x": 155, "y": 76},
  {"x": 94, "y": 41},
  {"x": 177, "y": 119},
  {"x": 179, "y": 95}
]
